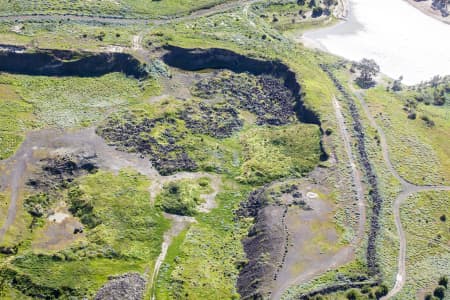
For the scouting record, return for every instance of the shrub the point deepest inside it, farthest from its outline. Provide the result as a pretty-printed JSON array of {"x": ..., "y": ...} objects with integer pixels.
[
  {"x": 439, "y": 292},
  {"x": 443, "y": 281},
  {"x": 381, "y": 291}
]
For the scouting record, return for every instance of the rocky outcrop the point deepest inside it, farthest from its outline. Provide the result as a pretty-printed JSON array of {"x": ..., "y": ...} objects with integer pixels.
[
  {"x": 45, "y": 62},
  {"x": 215, "y": 58},
  {"x": 129, "y": 286}
]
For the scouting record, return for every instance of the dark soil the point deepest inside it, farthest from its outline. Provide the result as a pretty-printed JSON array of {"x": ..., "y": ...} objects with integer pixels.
[
  {"x": 267, "y": 242},
  {"x": 132, "y": 135},
  {"x": 57, "y": 172}
]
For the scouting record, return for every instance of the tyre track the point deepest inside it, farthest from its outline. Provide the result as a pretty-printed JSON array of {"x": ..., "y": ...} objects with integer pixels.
[{"x": 407, "y": 189}]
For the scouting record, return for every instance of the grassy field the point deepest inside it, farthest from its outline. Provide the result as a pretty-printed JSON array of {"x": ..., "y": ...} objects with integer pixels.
[
  {"x": 273, "y": 153},
  {"x": 127, "y": 238},
  {"x": 67, "y": 35},
  {"x": 124, "y": 8},
  {"x": 183, "y": 197},
  {"x": 202, "y": 262},
  {"x": 15, "y": 116},
  {"x": 417, "y": 149},
  {"x": 428, "y": 240}
]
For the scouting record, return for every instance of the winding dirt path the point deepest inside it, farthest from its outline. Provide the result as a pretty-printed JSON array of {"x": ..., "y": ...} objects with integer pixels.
[
  {"x": 51, "y": 141},
  {"x": 203, "y": 12},
  {"x": 355, "y": 172},
  {"x": 407, "y": 189}
]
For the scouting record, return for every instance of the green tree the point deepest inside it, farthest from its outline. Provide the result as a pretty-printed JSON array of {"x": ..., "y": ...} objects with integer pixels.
[{"x": 367, "y": 68}]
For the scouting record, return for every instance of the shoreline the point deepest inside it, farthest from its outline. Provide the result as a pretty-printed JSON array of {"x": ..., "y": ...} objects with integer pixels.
[{"x": 425, "y": 8}]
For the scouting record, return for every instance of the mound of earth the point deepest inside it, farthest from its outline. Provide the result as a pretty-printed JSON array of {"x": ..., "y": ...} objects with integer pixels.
[
  {"x": 267, "y": 241},
  {"x": 129, "y": 286}
]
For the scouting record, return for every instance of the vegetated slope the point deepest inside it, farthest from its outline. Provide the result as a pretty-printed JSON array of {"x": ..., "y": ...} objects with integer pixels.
[
  {"x": 122, "y": 8},
  {"x": 425, "y": 219},
  {"x": 241, "y": 123},
  {"x": 100, "y": 244}
]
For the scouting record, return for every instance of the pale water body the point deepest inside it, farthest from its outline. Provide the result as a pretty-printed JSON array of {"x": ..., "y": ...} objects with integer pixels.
[{"x": 400, "y": 38}]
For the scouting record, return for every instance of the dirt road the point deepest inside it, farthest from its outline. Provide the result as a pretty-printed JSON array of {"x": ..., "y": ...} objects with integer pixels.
[
  {"x": 120, "y": 20},
  {"x": 407, "y": 189}
]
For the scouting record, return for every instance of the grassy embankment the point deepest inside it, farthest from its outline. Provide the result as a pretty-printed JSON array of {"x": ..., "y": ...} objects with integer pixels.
[
  {"x": 290, "y": 15},
  {"x": 416, "y": 147},
  {"x": 126, "y": 8},
  {"x": 127, "y": 238},
  {"x": 427, "y": 235}
]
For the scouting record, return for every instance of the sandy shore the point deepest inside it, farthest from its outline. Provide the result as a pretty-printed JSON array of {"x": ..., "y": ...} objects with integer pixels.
[{"x": 425, "y": 7}]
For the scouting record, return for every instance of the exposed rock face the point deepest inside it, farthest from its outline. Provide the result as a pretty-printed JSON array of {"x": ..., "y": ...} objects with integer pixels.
[
  {"x": 129, "y": 286},
  {"x": 214, "y": 58},
  {"x": 68, "y": 63},
  {"x": 264, "y": 246},
  {"x": 61, "y": 169}
]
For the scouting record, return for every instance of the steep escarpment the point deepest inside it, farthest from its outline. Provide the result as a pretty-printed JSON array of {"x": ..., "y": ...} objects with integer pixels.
[
  {"x": 214, "y": 58},
  {"x": 45, "y": 62}
]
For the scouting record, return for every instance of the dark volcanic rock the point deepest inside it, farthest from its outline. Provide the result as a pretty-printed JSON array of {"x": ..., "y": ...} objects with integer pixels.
[
  {"x": 133, "y": 135},
  {"x": 59, "y": 170},
  {"x": 215, "y": 58},
  {"x": 265, "y": 96},
  {"x": 265, "y": 245},
  {"x": 129, "y": 286},
  {"x": 48, "y": 62},
  {"x": 369, "y": 172},
  {"x": 216, "y": 120}
]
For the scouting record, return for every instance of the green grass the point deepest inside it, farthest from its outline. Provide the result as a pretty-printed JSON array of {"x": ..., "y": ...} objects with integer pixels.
[
  {"x": 271, "y": 153},
  {"x": 417, "y": 150},
  {"x": 183, "y": 196},
  {"x": 286, "y": 15},
  {"x": 202, "y": 262},
  {"x": 428, "y": 238},
  {"x": 67, "y": 35},
  {"x": 71, "y": 101},
  {"x": 128, "y": 239},
  {"x": 15, "y": 118},
  {"x": 128, "y": 8}
]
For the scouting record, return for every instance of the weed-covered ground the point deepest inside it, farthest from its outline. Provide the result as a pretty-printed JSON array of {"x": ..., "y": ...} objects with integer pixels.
[
  {"x": 123, "y": 8},
  {"x": 125, "y": 236},
  {"x": 416, "y": 145},
  {"x": 80, "y": 221},
  {"x": 425, "y": 219}
]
